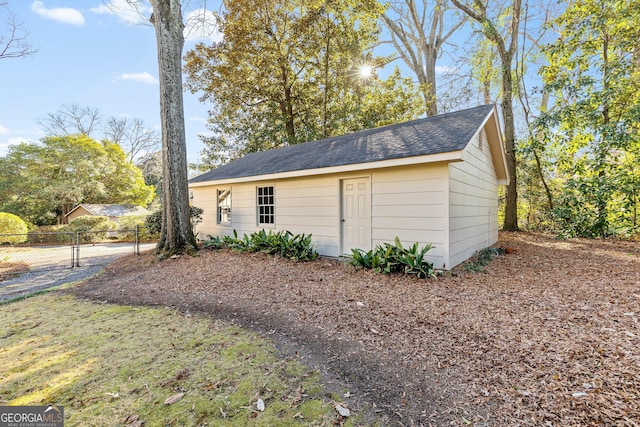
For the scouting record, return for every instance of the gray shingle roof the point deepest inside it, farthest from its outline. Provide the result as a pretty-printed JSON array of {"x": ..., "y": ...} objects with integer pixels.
[
  {"x": 113, "y": 210},
  {"x": 433, "y": 135}
]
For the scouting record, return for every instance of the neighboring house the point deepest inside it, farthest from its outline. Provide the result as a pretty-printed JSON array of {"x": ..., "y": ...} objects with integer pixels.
[
  {"x": 114, "y": 212},
  {"x": 432, "y": 180}
]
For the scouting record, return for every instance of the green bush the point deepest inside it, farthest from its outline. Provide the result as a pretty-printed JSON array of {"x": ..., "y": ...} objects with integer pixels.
[
  {"x": 91, "y": 228},
  {"x": 296, "y": 247},
  {"x": 395, "y": 258},
  {"x": 12, "y": 224},
  {"x": 129, "y": 223},
  {"x": 50, "y": 234},
  {"x": 153, "y": 223}
]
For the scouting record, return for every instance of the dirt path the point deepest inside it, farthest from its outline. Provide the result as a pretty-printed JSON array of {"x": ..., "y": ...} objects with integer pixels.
[{"x": 549, "y": 334}]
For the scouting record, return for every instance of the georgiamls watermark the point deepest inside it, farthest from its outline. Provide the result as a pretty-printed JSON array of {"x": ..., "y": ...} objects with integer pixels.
[{"x": 31, "y": 416}]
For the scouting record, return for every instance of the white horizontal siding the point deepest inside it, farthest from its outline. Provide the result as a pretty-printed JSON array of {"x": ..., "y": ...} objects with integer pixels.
[
  {"x": 411, "y": 203},
  {"x": 473, "y": 202},
  {"x": 308, "y": 206},
  {"x": 407, "y": 202}
]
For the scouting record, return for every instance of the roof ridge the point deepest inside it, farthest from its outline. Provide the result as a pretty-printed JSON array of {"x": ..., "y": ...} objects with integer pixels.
[{"x": 423, "y": 136}]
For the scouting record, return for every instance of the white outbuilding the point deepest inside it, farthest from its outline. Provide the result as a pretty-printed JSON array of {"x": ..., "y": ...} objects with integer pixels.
[{"x": 433, "y": 180}]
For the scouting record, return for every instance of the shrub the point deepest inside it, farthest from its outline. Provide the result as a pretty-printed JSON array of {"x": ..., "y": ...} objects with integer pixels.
[
  {"x": 50, "y": 234},
  {"x": 12, "y": 224},
  {"x": 129, "y": 223},
  {"x": 91, "y": 228},
  {"x": 395, "y": 258},
  {"x": 153, "y": 223},
  {"x": 296, "y": 247}
]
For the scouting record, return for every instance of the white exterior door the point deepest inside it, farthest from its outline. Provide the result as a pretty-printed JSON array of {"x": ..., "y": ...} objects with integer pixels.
[{"x": 356, "y": 214}]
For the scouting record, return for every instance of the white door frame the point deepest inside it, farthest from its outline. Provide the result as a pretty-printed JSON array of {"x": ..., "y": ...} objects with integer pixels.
[{"x": 355, "y": 214}]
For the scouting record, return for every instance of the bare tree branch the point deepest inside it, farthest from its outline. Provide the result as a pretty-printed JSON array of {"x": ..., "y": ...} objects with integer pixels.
[
  {"x": 131, "y": 134},
  {"x": 418, "y": 34},
  {"x": 13, "y": 41},
  {"x": 71, "y": 119}
]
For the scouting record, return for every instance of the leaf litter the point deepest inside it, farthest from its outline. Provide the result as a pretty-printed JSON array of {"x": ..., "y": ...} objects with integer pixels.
[{"x": 547, "y": 335}]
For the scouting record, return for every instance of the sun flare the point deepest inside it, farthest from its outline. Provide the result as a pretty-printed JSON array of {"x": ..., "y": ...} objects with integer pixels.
[{"x": 365, "y": 71}]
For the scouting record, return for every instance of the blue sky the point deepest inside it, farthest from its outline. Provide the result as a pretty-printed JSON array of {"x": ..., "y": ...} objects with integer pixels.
[
  {"x": 89, "y": 55},
  {"x": 98, "y": 54}
]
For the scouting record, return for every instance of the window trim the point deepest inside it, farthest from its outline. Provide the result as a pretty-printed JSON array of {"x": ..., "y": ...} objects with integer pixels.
[
  {"x": 219, "y": 207},
  {"x": 272, "y": 205}
]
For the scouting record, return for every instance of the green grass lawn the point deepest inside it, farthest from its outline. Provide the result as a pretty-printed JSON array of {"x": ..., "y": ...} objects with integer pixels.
[{"x": 109, "y": 365}]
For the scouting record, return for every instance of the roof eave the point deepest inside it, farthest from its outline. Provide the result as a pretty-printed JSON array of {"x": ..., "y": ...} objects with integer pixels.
[
  {"x": 451, "y": 156},
  {"x": 496, "y": 144}
]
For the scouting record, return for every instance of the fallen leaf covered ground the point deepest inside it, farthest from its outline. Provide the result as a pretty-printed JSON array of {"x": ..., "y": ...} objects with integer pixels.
[{"x": 549, "y": 334}]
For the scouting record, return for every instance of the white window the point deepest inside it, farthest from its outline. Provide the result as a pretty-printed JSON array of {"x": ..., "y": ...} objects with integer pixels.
[
  {"x": 266, "y": 208},
  {"x": 224, "y": 206}
]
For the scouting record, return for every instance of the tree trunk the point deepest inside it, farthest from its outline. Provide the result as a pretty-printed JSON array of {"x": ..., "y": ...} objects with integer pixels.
[
  {"x": 511, "y": 206},
  {"x": 507, "y": 52},
  {"x": 176, "y": 236},
  {"x": 431, "y": 53}
]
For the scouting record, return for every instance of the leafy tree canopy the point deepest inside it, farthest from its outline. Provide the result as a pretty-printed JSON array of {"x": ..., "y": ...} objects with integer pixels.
[
  {"x": 287, "y": 72},
  {"x": 593, "y": 74},
  {"x": 43, "y": 181}
]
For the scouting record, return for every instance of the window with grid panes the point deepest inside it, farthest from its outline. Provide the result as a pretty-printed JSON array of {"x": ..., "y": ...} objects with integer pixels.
[
  {"x": 266, "y": 205},
  {"x": 224, "y": 206}
]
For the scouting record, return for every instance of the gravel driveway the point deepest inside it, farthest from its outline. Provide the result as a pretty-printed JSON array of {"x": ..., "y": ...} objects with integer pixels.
[{"x": 51, "y": 265}]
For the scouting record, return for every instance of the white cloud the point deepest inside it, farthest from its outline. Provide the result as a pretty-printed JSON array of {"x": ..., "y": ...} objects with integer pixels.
[
  {"x": 139, "y": 77},
  {"x": 66, "y": 15},
  {"x": 131, "y": 13},
  {"x": 4, "y": 146},
  {"x": 3, "y": 129},
  {"x": 202, "y": 24}
]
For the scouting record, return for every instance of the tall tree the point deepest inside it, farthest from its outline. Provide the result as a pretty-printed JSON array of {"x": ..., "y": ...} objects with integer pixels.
[
  {"x": 131, "y": 134},
  {"x": 43, "y": 181},
  {"x": 176, "y": 235},
  {"x": 286, "y": 72},
  {"x": 13, "y": 39},
  {"x": 419, "y": 30},
  {"x": 506, "y": 43},
  {"x": 72, "y": 119},
  {"x": 594, "y": 78}
]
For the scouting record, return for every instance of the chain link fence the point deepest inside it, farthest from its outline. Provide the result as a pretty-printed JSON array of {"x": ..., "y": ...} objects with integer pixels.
[{"x": 40, "y": 251}]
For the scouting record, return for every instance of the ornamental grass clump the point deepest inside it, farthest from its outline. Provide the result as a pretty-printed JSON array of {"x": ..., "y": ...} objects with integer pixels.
[{"x": 395, "y": 258}]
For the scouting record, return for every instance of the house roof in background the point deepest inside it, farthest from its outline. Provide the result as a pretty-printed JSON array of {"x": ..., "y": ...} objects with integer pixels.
[
  {"x": 112, "y": 210},
  {"x": 432, "y": 135}
]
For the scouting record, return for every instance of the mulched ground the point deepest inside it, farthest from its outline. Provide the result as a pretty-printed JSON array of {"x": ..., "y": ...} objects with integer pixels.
[{"x": 548, "y": 335}]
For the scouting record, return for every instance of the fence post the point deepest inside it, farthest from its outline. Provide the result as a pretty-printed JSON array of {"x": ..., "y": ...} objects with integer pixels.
[
  {"x": 73, "y": 251},
  {"x": 137, "y": 244},
  {"x": 77, "y": 249}
]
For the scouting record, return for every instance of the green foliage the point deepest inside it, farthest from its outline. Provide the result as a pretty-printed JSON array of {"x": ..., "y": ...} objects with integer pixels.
[
  {"x": 592, "y": 131},
  {"x": 90, "y": 227},
  {"x": 283, "y": 243},
  {"x": 51, "y": 234},
  {"x": 286, "y": 72},
  {"x": 481, "y": 259},
  {"x": 153, "y": 223},
  {"x": 42, "y": 181},
  {"x": 12, "y": 224},
  {"x": 394, "y": 258},
  {"x": 130, "y": 222}
]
